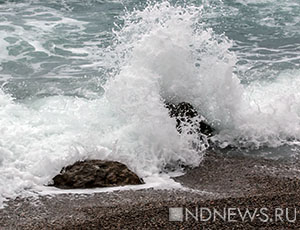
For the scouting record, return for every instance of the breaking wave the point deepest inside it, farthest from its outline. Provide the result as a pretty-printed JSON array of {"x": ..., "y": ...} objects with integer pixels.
[{"x": 160, "y": 53}]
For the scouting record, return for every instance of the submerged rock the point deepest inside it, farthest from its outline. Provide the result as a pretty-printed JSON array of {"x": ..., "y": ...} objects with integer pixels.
[
  {"x": 95, "y": 173},
  {"x": 187, "y": 117}
]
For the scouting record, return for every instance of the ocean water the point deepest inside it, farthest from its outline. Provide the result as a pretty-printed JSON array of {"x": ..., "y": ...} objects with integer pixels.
[{"x": 88, "y": 79}]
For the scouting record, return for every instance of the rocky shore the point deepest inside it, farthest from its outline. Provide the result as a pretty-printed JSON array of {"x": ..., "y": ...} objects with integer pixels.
[{"x": 219, "y": 183}]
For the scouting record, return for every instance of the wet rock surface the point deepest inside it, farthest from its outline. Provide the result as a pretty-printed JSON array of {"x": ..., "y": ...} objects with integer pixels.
[
  {"x": 95, "y": 173},
  {"x": 188, "y": 119}
]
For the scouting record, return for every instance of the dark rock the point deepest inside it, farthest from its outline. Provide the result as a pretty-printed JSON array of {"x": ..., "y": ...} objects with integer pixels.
[
  {"x": 95, "y": 173},
  {"x": 187, "y": 116}
]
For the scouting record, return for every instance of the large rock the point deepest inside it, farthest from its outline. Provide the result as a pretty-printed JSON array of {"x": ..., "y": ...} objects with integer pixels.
[
  {"x": 95, "y": 173},
  {"x": 187, "y": 117}
]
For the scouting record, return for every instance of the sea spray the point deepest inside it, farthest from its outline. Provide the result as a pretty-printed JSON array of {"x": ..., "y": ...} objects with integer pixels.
[
  {"x": 168, "y": 48},
  {"x": 162, "y": 53},
  {"x": 129, "y": 123},
  {"x": 173, "y": 50}
]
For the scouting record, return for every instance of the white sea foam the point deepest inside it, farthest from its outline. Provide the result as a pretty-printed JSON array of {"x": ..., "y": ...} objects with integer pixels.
[
  {"x": 25, "y": 38},
  {"x": 268, "y": 115},
  {"x": 160, "y": 53}
]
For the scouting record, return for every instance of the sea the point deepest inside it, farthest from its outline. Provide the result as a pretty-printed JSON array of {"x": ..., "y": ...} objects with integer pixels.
[{"x": 89, "y": 79}]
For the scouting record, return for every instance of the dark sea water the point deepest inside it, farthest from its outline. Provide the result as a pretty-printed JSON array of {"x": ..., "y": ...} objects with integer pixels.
[{"x": 88, "y": 79}]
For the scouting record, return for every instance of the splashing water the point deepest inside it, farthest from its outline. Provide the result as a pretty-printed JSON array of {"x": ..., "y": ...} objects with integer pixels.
[{"x": 163, "y": 52}]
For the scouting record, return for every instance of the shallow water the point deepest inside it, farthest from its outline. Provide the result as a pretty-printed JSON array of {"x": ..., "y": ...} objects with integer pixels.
[{"x": 88, "y": 79}]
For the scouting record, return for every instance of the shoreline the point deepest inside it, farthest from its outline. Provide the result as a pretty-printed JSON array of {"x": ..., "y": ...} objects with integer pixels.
[{"x": 219, "y": 182}]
